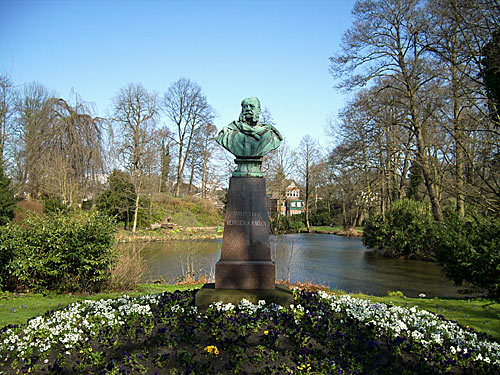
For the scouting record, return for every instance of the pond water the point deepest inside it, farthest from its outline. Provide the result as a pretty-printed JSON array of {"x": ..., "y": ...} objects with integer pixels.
[{"x": 337, "y": 262}]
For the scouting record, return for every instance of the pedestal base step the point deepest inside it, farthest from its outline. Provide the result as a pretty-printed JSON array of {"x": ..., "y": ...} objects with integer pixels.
[
  {"x": 280, "y": 295},
  {"x": 244, "y": 274}
]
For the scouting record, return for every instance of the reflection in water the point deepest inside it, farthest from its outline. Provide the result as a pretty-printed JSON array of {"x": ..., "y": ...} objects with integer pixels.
[{"x": 337, "y": 262}]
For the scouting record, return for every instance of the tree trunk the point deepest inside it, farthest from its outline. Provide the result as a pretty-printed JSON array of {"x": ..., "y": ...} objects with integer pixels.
[
  {"x": 308, "y": 224},
  {"x": 459, "y": 154},
  {"x": 180, "y": 169},
  {"x": 426, "y": 172},
  {"x": 204, "y": 175},
  {"x": 406, "y": 167},
  {"x": 136, "y": 212},
  {"x": 191, "y": 178}
]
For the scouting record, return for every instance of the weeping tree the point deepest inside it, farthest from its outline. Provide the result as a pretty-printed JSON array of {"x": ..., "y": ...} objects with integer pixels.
[
  {"x": 58, "y": 148},
  {"x": 72, "y": 152}
]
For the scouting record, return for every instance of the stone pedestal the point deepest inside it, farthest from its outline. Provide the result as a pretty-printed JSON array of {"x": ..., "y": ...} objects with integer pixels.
[
  {"x": 281, "y": 295},
  {"x": 246, "y": 253},
  {"x": 245, "y": 269}
]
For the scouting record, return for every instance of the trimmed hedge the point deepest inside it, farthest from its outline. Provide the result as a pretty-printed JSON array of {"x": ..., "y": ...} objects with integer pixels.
[{"x": 58, "y": 253}]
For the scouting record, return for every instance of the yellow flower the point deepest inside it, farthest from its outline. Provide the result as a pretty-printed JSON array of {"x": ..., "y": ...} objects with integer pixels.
[
  {"x": 306, "y": 367},
  {"x": 212, "y": 349},
  {"x": 266, "y": 333},
  {"x": 90, "y": 349}
]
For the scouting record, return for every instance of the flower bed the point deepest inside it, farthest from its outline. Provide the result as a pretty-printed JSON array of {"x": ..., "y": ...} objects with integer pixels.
[{"x": 319, "y": 334}]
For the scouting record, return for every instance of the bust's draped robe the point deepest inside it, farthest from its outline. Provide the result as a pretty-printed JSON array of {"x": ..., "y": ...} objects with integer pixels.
[{"x": 245, "y": 141}]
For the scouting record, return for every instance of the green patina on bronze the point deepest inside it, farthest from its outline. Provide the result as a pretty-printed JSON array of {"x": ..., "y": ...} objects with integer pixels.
[{"x": 248, "y": 140}]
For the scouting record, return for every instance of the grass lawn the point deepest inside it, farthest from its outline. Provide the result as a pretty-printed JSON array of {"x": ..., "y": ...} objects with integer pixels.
[{"x": 325, "y": 228}]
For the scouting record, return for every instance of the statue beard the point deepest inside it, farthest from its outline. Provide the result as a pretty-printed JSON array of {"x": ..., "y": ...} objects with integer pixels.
[{"x": 255, "y": 117}]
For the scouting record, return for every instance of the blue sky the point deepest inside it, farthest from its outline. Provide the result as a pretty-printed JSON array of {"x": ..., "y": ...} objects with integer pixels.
[{"x": 275, "y": 50}]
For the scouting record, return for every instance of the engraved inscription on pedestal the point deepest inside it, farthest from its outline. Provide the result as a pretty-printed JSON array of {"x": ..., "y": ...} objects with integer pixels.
[
  {"x": 246, "y": 253},
  {"x": 241, "y": 218}
]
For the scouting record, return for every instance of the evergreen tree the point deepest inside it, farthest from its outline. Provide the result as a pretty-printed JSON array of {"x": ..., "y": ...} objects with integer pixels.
[
  {"x": 7, "y": 199},
  {"x": 119, "y": 200},
  {"x": 491, "y": 74}
]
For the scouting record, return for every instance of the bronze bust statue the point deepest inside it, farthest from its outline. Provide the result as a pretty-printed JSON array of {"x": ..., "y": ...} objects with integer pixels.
[{"x": 249, "y": 140}]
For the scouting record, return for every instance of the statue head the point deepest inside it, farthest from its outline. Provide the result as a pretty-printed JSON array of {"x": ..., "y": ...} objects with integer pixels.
[{"x": 250, "y": 110}]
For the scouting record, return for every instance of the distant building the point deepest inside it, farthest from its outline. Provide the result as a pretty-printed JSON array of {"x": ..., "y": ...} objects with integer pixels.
[{"x": 291, "y": 205}]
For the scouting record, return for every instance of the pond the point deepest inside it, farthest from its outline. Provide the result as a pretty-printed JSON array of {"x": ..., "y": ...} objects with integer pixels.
[{"x": 334, "y": 261}]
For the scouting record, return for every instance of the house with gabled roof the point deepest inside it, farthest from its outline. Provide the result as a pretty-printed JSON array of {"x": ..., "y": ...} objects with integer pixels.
[{"x": 291, "y": 205}]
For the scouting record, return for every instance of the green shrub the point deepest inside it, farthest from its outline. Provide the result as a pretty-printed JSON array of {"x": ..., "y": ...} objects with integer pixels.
[
  {"x": 7, "y": 251},
  {"x": 119, "y": 200},
  {"x": 185, "y": 219},
  {"x": 406, "y": 230},
  {"x": 468, "y": 249},
  {"x": 52, "y": 204},
  {"x": 188, "y": 211},
  {"x": 396, "y": 293},
  {"x": 320, "y": 219},
  {"x": 59, "y": 253},
  {"x": 284, "y": 224}
]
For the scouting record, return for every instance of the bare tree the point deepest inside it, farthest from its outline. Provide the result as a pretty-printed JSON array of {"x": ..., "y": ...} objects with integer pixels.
[
  {"x": 208, "y": 133},
  {"x": 387, "y": 41},
  {"x": 6, "y": 111},
  {"x": 284, "y": 252},
  {"x": 28, "y": 132},
  {"x": 459, "y": 37},
  {"x": 280, "y": 165},
  {"x": 187, "y": 108},
  {"x": 164, "y": 139},
  {"x": 135, "y": 116},
  {"x": 308, "y": 159}
]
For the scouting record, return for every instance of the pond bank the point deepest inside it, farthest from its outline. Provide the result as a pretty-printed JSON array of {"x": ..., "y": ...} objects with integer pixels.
[
  {"x": 189, "y": 233},
  {"x": 343, "y": 233},
  {"x": 207, "y": 233}
]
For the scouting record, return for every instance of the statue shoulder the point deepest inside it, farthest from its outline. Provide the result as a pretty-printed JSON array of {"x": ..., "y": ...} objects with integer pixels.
[
  {"x": 276, "y": 131},
  {"x": 231, "y": 126}
]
